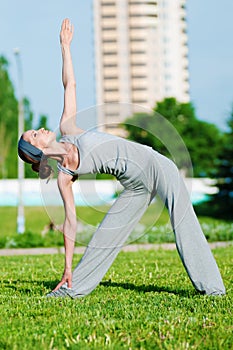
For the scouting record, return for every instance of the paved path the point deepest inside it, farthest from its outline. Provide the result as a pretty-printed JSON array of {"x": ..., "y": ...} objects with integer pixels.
[{"x": 80, "y": 250}]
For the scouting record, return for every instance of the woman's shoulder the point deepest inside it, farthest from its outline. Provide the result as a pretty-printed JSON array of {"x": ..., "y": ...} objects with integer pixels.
[
  {"x": 91, "y": 135},
  {"x": 75, "y": 131},
  {"x": 66, "y": 137}
]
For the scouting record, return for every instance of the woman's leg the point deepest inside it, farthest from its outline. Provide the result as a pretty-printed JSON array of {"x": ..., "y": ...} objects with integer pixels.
[
  {"x": 106, "y": 243},
  {"x": 191, "y": 243}
]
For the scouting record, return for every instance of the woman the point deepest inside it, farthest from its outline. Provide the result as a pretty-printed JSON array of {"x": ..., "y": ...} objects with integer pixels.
[{"x": 142, "y": 171}]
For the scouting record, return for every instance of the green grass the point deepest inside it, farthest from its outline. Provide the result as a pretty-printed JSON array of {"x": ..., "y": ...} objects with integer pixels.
[
  {"x": 154, "y": 227},
  {"x": 145, "y": 301}
]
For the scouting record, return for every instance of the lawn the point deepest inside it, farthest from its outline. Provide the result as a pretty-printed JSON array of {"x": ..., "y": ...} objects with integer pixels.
[{"x": 145, "y": 301}]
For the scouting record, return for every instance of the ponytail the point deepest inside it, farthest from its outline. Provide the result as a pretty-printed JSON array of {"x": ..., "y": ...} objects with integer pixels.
[{"x": 43, "y": 168}]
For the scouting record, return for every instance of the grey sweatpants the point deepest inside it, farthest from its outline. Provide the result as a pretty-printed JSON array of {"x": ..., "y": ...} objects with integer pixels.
[{"x": 163, "y": 179}]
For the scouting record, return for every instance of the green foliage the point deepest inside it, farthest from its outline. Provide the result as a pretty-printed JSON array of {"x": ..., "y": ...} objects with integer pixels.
[
  {"x": 221, "y": 203},
  {"x": 8, "y": 123},
  {"x": 32, "y": 240},
  {"x": 223, "y": 200},
  {"x": 172, "y": 123},
  {"x": 28, "y": 115},
  {"x": 145, "y": 301},
  {"x": 150, "y": 229},
  {"x": 28, "y": 125},
  {"x": 42, "y": 123}
]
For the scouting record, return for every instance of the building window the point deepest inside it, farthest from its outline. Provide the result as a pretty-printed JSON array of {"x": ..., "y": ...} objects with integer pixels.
[
  {"x": 108, "y": 16},
  {"x": 109, "y": 41},
  {"x": 109, "y": 53},
  {"x": 109, "y": 77},
  {"x": 108, "y": 3},
  {"x": 139, "y": 64},
  {"x": 112, "y": 114},
  {"x": 138, "y": 88},
  {"x": 167, "y": 64},
  {"x": 133, "y": 15},
  {"x": 137, "y": 52},
  {"x": 136, "y": 2},
  {"x": 166, "y": 39},
  {"x": 143, "y": 2},
  {"x": 137, "y": 27},
  {"x": 137, "y": 40},
  {"x": 110, "y": 65},
  {"x": 110, "y": 100},
  {"x": 138, "y": 76},
  {"x": 113, "y": 126},
  {"x": 167, "y": 76},
  {"x": 139, "y": 101},
  {"x": 168, "y": 89},
  {"x": 111, "y": 90},
  {"x": 108, "y": 28}
]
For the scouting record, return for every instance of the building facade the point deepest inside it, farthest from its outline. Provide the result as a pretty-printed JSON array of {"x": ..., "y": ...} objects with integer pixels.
[{"x": 141, "y": 55}]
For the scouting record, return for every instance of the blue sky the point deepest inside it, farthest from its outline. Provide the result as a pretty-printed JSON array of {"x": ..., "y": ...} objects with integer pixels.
[{"x": 33, "y": 26}]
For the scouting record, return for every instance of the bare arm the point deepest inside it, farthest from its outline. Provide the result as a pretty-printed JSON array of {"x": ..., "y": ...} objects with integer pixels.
[
  {"x": 70, "y": 226},
  {"x": 68, "y": 118}
]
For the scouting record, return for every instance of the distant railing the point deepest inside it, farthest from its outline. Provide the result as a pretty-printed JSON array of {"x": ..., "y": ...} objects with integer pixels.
[{"x": 86, "y": 192}]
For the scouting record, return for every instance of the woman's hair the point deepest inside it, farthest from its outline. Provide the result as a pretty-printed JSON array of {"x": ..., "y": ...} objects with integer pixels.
[{"x": 41, "y": 167}]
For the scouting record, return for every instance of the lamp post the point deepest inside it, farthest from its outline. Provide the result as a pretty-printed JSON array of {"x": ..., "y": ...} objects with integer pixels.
[{"x": 20, "y": 216}]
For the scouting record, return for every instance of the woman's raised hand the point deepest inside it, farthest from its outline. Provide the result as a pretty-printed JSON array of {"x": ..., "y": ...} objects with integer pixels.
[{"x": 67, "y": 31}]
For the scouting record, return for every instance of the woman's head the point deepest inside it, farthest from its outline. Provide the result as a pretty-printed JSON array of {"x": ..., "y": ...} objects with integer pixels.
[{"x": 30, "y": 150}]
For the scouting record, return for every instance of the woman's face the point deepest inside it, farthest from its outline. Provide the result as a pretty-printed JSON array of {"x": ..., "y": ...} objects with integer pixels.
[{"x": 39, "y": 138}]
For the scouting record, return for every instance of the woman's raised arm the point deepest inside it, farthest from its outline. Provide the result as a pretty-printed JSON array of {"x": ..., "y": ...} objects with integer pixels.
[{"x": 68, "y": 118}]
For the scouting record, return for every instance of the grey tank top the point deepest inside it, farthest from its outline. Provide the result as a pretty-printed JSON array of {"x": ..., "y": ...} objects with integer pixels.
[{"x": 104, "y": 153}]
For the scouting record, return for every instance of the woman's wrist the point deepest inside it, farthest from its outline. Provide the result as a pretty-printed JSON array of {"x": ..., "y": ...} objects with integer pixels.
[
  {"x": 68, "y": 268},
  {"x": 65, "y": 47}
]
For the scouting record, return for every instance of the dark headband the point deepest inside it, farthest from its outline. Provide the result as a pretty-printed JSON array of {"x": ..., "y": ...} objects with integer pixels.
[{"x": 29, "y": 150}]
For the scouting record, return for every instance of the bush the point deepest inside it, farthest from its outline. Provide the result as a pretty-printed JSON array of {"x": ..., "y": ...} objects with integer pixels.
[{"x": 32, "y": 240}]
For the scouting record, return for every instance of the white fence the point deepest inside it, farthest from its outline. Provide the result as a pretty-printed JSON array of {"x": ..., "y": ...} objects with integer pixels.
[{"x": 86, "y": 192}]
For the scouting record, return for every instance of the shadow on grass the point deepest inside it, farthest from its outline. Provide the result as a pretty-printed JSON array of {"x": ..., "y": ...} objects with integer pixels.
[
  {"x": 28, "y": 287},
  {"x": 149, "y": 288}
]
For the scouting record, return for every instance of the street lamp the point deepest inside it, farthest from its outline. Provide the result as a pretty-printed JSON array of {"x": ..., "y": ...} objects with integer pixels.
[{"x": 20, "y": 216}]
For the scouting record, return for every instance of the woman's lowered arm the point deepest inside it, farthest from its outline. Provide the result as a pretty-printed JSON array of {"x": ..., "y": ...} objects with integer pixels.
[{"x": 70, "y": 226}]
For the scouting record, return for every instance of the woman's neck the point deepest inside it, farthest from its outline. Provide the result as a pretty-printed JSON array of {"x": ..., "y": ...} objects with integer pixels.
[
  {"x": 64, "y": 152},
  {"x": 56, "y": 150}
]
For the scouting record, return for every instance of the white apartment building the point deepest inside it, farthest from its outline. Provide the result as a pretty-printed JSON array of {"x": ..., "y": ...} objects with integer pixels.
[{"x": 141, "y": 55}]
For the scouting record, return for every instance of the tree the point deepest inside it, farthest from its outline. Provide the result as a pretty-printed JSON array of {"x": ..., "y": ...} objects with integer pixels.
[
  {"x": 161, "y": 128},
  {"x": 8, "y": 122},
  {"x": 43, "y": 122},
  {"x": 28, "y": 118},
  {"x": 28, "y": 114},
  {"x": 4, "y": 146},
  {"x": 221, "y": 203}
]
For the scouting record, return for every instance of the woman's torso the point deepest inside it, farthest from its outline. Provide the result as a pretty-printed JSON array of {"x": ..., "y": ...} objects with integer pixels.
[{"x": 104, "y": 153}]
